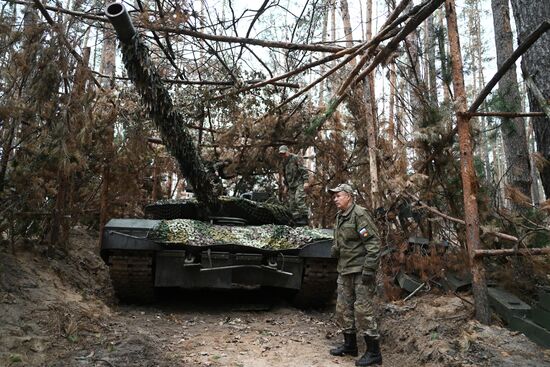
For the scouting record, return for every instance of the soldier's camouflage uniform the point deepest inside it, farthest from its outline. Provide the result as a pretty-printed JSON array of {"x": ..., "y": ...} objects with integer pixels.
[
  {"x": 357, "y": 247},
  {"x": 295, "y": 175}
]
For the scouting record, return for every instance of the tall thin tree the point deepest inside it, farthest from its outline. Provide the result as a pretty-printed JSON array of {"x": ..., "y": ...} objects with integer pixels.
[
  {"x": 535, "y": 64},
  {"x": 513, "y": 129}
]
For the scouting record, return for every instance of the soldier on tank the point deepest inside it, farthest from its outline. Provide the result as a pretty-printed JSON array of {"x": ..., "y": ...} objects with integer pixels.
[
  {"x": 296, "y": 182},
  {"x": 217, "y": 170},
  {"x": 357, "y": 247}
]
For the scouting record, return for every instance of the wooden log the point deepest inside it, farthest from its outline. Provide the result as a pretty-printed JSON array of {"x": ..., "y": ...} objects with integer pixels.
[{"x": 512, "y": 251}]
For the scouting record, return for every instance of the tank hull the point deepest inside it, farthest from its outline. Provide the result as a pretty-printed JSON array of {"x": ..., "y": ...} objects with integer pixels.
[{"x": 139, "y": 265}]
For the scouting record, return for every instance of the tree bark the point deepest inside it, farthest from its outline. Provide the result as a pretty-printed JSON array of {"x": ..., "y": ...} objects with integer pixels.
[
  {"x": 529, "y": 14},
  {"x": 471, "y": 215},
  {"x": 324, "y": 35},
  {"x": 392, "y": 105},
  {"x": 445, "y": 73},
  {"x": 107, "y": 67},
  {"x": 8, "y": 134},
  {"x": 536, "y": 190},
  {"x": 474, "y": 26},
  {"x": 370, "y": 120},
  {"x": 344, "y": 9},
  {"x": 430, "y": 41},
  {"x": 513, "y": 130}
]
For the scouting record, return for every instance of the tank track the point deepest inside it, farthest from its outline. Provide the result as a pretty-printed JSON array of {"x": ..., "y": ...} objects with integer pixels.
[
  {"x": 318, "y": 283},
  {"x": 132, "y": 277}
]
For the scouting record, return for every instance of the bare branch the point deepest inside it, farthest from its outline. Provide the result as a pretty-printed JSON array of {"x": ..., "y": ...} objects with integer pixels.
[{"x": 525, "y": 45}]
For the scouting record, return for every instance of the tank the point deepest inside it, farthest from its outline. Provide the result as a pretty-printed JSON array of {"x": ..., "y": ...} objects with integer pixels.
[
  {"x": 224, "y": 252},
  {"x": 211, "y": 241}
]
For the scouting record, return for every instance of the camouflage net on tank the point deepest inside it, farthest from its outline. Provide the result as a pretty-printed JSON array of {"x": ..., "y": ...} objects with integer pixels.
[
  {"x": 270, "y": 236},
  {"x": 170, "y": 123},
  {"x": 253, "y": 212}
]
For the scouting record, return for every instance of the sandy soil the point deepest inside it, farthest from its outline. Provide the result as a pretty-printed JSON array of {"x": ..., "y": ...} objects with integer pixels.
[{"x": 61, "y": 311}]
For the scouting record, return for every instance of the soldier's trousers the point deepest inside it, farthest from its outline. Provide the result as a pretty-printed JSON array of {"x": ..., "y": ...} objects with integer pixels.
[
  {"x": 354, "y": 305},
  {"x": 297, "y": 201}
]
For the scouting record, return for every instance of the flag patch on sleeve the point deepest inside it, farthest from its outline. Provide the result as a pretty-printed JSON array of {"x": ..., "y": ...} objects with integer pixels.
[{"x": 363, "y": 232}]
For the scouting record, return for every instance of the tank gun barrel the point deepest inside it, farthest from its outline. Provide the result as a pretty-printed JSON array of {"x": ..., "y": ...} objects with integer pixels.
[
  {"x": 170, "y": 123},
  {"x": 120, "y": 19}
]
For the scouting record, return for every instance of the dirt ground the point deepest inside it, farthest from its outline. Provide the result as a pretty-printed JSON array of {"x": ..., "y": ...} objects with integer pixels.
[{"x": 61, "y": 311}]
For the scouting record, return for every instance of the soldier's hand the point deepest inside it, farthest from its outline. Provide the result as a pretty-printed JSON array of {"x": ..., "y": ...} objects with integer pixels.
[
  {"x": 306, "y": 186},
  {"x": 368, "y": 278}
]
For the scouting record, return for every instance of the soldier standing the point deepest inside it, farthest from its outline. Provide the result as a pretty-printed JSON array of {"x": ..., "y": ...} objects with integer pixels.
[
  {"x": 357, "y": 247},
  {"x": 296, "y": 182}
]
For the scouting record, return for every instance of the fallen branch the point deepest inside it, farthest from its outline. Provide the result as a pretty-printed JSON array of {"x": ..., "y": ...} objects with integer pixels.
[
  {"x": 324, "y": 60},
  {"x": 203, "y": 82},
  {"x": 513, "y": 251},
  {"x": 484, "y": 230},
  {"x": 421, "y": 15},
  {"x": 200, "y": 35},
  {"x": 532, "y": 38},
  {"x": 390, "y": 25},
  {"x": 415, "y": 291}
]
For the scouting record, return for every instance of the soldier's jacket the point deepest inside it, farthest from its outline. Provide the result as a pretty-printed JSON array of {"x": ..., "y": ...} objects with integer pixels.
[
  {"x": 295, "y": 173},
  {"x": 356, "y": 241}
]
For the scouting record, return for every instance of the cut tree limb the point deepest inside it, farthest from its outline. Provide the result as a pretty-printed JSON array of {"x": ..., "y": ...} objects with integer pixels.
[
  {"x": 532, "y": 38},
  {"x": 485, "y": 231},
  {"x": 513, "y": 251}
]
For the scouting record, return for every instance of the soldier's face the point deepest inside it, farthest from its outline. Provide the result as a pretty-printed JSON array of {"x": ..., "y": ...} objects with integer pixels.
[{"x": 342, "y": 200}]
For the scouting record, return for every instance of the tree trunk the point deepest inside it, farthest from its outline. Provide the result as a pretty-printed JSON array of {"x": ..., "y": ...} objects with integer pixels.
[
  {"x": 471, "y": 215},
  {"x": 333, "y": 23},
  {"x": 445, "y": 72},
  {"x": 344, "y": 9},
  {"x": 513, "y": 130},
  {"x": 8, "y": 134},
  {"x": 431, "y": 74},
  {"x": 392, "y": 106},
  {"x": 371, "y": 123},
  {"x": 107, "y": 67},
  {"x": 362, "y": 103},
  {"x": 155, "y": 194},
  {"x": 324, "y": 39},
  {"x": 474, "y": 26},
  {"x": 535, "y": 63}
]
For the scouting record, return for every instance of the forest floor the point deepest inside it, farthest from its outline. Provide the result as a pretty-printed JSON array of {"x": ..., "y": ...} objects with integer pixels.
[{"x": 61, "y": 311}]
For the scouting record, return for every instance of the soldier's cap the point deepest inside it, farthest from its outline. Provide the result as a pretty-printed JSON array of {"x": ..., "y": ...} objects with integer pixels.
[
  {"x": 342, "y": 187},
  {"x": 283, "y": 149}
]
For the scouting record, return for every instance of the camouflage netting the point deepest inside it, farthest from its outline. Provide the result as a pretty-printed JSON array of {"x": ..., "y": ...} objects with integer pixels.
[
  {"x": 270, "y": 236},
  {"x": 170, "y": 123},
  {"x": 253, "y": 212}
]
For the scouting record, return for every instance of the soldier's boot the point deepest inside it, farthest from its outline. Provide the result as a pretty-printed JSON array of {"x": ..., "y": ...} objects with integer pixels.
[
  {"x": 373, "y": 355},
  {"x": 348, "y": 348}
]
